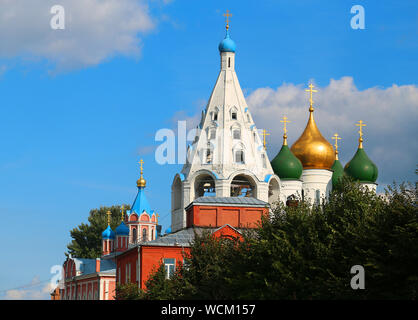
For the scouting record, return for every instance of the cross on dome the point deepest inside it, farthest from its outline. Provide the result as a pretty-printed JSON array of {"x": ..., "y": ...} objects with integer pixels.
[
  {"x": 310, "y": 90},
  {"x": 336, "y": 138},
  {"x": 227, "y": 15},
  {"x": 360, "y": 124}
]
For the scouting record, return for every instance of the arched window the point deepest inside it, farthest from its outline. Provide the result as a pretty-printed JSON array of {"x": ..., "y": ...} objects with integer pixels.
[
  {"x": 152, "y": 234},
  {"x": 243, "y": 186},
  {"x": 317, "y": 196},
  {"x": 212, "y": 134},
  {"x": 134, "y": 235},
  {"x": 236, "y": 133},
  {"x": 234, "y": 113},
  {"x": 263, "y": 160},
  {"x": 204, "y": 186},
  {"x": 229, "y": 62},
  {"x": 239, "y": 156},
  {"x": 144, "y": 235}
]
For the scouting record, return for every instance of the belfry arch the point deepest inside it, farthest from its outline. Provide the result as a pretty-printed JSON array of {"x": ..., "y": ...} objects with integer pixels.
[
  {"x": 204, "y": 186},
  {"x": 243, "y": 185}
]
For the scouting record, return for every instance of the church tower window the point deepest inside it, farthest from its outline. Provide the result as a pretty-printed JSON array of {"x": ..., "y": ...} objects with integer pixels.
[
  {"x": 236, "y": 133},
  {"x": 134, "y": 237},
  {"x": 234, "y": 116},
  {"x": 239, "y": 156},
  {"x": 144, "y": 234}
]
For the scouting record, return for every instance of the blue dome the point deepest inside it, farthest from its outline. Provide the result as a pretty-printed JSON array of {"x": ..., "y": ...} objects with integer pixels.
[
  {"x": 108, "y": 233},
  {"x": 227, "y": 44},
  {"x": 122, "y": 230}
]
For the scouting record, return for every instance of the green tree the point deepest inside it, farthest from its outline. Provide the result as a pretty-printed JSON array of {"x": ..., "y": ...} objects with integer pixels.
[
  {"x": 306, "y": 252},
  {"x": 87, "y": 237}
]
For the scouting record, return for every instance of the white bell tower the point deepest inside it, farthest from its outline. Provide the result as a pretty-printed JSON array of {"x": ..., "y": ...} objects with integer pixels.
[{"x": 227, "y": 157}]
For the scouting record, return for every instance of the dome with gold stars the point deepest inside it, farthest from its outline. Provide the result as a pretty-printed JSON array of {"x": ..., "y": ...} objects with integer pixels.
[{"x": 312, "y": 149}]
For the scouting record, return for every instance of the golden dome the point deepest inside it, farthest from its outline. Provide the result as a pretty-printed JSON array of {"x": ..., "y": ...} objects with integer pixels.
[
  {"x": 141, "y": 182},
  {"x": 312, "y": 149}
]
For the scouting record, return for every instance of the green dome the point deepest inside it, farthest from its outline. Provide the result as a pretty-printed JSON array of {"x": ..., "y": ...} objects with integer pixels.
[
  {"x": 286, "y": 165},
  {"x": 338, "y": 172},
  {"x": 361, "y": 167}
]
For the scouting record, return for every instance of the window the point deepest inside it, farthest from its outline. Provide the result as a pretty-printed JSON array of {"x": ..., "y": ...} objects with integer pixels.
[
  {"x": 248, "y": 118},
  {"x": 152, "y": 234},
  {"x": 263, "y": 159},
  {"x": 229, "y": 62},
  {"x": 234, "y": 115},
  {"x": 169, "y": 266},
  {"x": 212, "y": 134},
  {"x": 119, "y": 275},
  {"x": 144, "y": 234},
  {"x": 236, "y": 134},
  {"x": 134, "y": 237},
  {"x": 317, "y": 196},
  {"x": 239, "y": 156},
  {"x": 209, "y": 156},
  {"x": 215, "y": 116}
]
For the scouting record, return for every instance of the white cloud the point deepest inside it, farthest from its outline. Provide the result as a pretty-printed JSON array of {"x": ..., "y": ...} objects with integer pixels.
[
  {"x": 36, "y": 290},
  {"x": 390, "y": 113},
  {"x": 95, "y": 30}
]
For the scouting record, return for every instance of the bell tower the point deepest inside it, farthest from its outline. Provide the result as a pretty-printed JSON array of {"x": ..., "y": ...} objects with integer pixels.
[{"x": 227, "y": 157}]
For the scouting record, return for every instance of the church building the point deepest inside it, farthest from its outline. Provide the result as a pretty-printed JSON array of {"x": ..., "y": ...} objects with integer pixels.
[{"x": 226, "y": 185}]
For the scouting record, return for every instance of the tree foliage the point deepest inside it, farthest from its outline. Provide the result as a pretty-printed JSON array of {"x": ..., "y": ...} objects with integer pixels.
[
  {"x": 307, "y": 252},
  {"x": 87, "y": 237}
]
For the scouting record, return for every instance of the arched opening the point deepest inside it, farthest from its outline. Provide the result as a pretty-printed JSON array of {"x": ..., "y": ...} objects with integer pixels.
[
  {"x": 243, "y": 186},
  {"x": 144, "y": 234},
  {"x": 204, "y": 186},
  {"x": 274, "y": 191},
  {"x": 134, "y": 235},
  {"x": 176, "y": 194}
]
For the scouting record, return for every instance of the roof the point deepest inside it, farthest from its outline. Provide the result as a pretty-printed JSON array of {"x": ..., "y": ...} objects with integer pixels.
[
  {"x": 88, "y": 266},
  {"x": 141, "y": 203},
  {"x": 230, "y": 201},
  {"x": 182, "y": 238}
]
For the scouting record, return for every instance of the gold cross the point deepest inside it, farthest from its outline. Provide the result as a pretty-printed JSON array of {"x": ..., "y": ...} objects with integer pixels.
[
  {"x": 264, "y": 134},
  {"x": 227, "y": 15},
  {"x": 361, "y": 124},
  {"x": 310, "y": 90},
  {"x": 285, "y": 130},
  {"x": 141, "y": 162},
  {"x": 336, "y": 138},
  {"x": 122, "y": 212},
  {"x": 285, "y": 121},
  {"x": 108, "y": 217}
]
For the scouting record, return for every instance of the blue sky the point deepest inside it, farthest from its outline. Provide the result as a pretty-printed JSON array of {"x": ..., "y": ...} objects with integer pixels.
[{"x": 76, "y": 117}]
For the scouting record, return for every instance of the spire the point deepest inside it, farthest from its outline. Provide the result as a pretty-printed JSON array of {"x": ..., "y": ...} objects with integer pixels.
[
  {"x": 284, "y": 130},
  {"x": 336, "y": 138},
  {"x": 360, "y": 124},
  {"x": 122, "y": 215},
  {"x": 141, "y": 181}
]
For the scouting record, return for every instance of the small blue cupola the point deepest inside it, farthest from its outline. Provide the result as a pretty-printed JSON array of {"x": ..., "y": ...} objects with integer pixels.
[
  {"x": 122, "y": 230},
  {"x": 227, "y": 44},
  {"x": 108, "y": 233}
]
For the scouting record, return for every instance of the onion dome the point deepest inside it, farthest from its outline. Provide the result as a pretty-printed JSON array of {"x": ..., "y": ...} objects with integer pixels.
[
  {"x": 312, "y": 149},
  {"x": 360, "y": 167},
  {"x": 122, "y": 230},
  {"x": 337, "y": 167},
  {"x": 227, "y": 44},
  {"x": 338, "y": 172},
  {"x": 108, "y": 233},
  {"x": 285, "y": 164}
]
